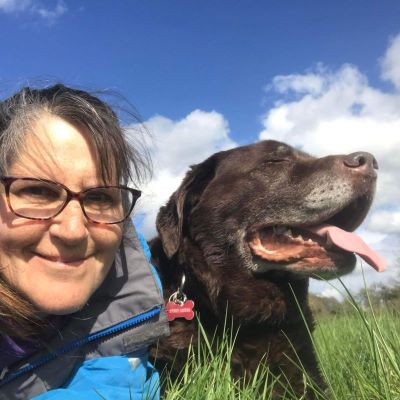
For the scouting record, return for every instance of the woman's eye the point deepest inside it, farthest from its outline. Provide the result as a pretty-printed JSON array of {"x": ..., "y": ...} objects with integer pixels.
[
  {"x": 38, "y": 191},
  {"x": 99, "y": 197}
]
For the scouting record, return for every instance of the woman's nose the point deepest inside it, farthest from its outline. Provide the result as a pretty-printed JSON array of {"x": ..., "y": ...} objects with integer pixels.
[{"x": 70, "y": 225}]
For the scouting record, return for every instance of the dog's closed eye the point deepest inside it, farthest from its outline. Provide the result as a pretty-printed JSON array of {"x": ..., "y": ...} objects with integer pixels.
[{"x": 277, "y": 160}]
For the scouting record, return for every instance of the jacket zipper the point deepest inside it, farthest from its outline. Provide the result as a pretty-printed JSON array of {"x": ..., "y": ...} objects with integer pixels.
[{"x": 130, "y": 323}]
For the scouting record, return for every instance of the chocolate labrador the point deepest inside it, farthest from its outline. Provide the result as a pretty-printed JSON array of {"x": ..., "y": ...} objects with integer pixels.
[{"x": 247, "y": 228}]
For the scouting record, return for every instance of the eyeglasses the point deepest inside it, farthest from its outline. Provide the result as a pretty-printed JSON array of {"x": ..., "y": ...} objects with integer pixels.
[{"x": 42, "y": 199}]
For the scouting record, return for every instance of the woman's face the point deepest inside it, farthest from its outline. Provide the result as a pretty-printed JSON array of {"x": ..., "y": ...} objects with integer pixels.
[{"x": 58, "y": 263}]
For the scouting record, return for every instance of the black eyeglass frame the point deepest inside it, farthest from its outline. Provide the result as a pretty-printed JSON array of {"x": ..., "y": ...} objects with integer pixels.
[{"x": 71, "y": 195}]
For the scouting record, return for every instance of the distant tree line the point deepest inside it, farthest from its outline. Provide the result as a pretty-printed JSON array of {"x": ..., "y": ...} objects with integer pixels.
[{"x": 379, "y": 296}]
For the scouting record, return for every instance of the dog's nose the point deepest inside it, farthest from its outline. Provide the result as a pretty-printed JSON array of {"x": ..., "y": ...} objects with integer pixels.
[{"x": 361, "y": 160}]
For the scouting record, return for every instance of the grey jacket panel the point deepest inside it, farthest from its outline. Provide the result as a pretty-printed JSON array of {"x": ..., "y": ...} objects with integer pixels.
[{"x": 129, "y": 290}]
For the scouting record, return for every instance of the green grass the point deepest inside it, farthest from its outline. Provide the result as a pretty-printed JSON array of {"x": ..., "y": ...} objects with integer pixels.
[{"x": 359, "y": 355}]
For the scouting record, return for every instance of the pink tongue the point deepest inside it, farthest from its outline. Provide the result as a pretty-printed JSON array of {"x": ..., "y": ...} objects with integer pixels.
[{"x": 351, "y": 242}]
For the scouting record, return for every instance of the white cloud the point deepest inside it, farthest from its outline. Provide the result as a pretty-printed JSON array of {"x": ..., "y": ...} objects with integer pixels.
[
  {"x": 391, "y": 63},
  {"x": 332, "y": 291},
  {"x": 190, "y": 140},
  {"x": 34, "y": 7},
  {"x": 52, "y": 14},
  {"x": 310, "y": 83},
  {"x": 385, "y": 221},
  {"x": 12, "y": 6},
  {"x": 176, "y": 145}
]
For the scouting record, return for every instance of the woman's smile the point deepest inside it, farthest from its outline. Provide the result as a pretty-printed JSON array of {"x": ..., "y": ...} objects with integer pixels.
[{"x": 67, "y": 260}]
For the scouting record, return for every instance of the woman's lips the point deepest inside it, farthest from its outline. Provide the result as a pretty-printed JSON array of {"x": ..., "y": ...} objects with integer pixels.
[{"x": 61, "y": 259}]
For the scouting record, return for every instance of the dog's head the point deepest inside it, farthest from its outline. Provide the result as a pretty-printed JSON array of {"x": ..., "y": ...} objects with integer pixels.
[{"x": 256, "y": 207}]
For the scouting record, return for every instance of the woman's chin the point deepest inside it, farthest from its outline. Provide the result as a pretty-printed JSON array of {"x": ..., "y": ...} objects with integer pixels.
[{"x": 59, "y": 305}]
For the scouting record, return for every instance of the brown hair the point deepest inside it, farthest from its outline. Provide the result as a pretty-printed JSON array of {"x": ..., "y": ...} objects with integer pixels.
[{"x": 128, "y": 159}]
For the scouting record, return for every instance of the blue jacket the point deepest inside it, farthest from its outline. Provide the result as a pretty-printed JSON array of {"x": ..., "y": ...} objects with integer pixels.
[{"x": 101, "y": 352}]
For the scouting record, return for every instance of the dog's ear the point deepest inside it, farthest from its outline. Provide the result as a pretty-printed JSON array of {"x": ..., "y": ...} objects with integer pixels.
[{"x": 170, "y": 218}]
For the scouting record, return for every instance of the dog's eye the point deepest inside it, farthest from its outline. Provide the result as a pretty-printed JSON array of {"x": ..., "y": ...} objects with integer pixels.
[{"x": 276, "y": 160}]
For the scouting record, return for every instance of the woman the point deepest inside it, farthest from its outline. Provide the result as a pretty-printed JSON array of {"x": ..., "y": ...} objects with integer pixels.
[{"x": 79, "y": 301}]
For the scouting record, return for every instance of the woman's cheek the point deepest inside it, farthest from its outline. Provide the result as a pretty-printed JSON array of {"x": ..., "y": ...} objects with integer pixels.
[{"x": 16, "y": 238}]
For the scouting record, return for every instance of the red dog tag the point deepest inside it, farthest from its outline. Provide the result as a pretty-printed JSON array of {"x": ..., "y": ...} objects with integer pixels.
[{"x": 176, "y": 310}]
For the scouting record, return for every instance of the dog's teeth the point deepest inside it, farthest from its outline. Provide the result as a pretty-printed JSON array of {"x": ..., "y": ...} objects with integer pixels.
[
  {"x": 269, "y": 251},
  {"x": 309, "y": 241},
  {"x": 282, "y": 230},
  {"x": 300, "y": 237}
]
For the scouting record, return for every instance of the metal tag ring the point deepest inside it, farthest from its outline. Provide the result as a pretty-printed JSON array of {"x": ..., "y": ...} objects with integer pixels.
[{"x": 178, "y": 298}]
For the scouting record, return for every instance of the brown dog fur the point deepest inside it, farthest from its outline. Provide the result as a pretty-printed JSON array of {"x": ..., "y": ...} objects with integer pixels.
[{"x": 206, "y": 230}]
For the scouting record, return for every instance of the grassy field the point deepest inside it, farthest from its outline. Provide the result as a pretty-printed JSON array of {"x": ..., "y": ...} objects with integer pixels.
[{"x": 359, "y": 355}]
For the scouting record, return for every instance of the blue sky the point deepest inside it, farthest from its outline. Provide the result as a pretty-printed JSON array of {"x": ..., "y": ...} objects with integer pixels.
[
  {"x": 210, "y": 75},
  {"x": 170, "y": 57}
]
